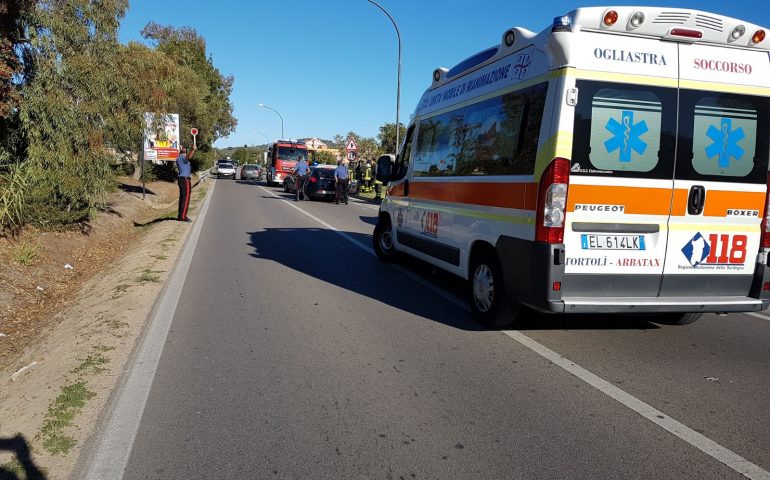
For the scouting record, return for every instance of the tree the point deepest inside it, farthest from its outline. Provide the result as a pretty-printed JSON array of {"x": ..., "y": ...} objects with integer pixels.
[
  {"x": 247, "y": 154},
  {"x": 203, "y": 98},
  {"x": 67, "y": 105},
  {"x": 387, "y": 137},
  {"x": 12, "y": 15},
  {"x": 71, "y": 97},
  {"x": 325, "y": 157},
  {"x": 368, "y": 148}
]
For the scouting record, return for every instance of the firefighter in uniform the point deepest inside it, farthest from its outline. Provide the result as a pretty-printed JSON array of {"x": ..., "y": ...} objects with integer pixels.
[
  {"x": 368, "y": 177},
  {"x": 377, "y": 185}
]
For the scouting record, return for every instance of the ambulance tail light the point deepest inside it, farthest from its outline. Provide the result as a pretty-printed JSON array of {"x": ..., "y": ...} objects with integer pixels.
[
  {"x": 610, "y": 18},
  {"x": 552, "y": 202},
  {"x": 765, "y": 223}
]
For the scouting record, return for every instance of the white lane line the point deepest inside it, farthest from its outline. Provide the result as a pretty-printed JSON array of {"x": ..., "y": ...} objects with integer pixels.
[
  {"x": 702, "y": 443},
  {"x": 113, "y": 449},
  {"x": 683, "y": 432},
  {"x": 758, "y": 315},
  {"x": 290, "y": 203},
  {"x": 366, "y": 205}
]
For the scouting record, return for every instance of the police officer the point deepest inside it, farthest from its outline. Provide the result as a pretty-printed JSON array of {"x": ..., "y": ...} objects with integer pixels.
[
  {"x": 301, "y": 171},
  {"x": 341, "y": 179},
  {"x": 183, "y": 165}
]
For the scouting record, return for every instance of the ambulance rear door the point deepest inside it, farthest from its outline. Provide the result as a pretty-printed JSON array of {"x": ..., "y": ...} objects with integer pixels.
[
  {"x": 622, "y": 167},
  {"x": 721, "y": 175}
]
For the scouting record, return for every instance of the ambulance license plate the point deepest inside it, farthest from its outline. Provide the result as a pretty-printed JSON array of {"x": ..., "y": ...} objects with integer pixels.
[{"x": 612, "y": 242}]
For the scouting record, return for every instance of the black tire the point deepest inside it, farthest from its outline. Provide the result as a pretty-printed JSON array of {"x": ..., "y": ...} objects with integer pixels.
[
  {"x": 678, "y": 318},
  {"x": 488, "y": 298},
  {"x": 383, "y": 242},
  {"x": 285, "y": 187}
]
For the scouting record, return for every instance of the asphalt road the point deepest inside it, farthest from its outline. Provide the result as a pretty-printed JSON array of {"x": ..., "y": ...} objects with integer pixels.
[{"x": 295, "y": 354}]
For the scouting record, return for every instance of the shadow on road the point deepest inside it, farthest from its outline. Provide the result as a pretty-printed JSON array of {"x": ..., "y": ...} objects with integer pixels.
[
  {"x": 369, "y": 219},
  {"x": 22, "y": 462},
  {"x": 322, "y": 254},
  {"x": 532, "y": 320}
]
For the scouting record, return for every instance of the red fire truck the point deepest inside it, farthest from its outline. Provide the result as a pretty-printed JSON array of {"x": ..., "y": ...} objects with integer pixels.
[{"x": 282, "y": 157}]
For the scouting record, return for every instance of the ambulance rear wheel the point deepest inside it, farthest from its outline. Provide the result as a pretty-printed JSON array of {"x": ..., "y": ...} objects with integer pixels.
[
  {"x": 489, "y": 300},
  {"x": 383, "y": 242},
  {"x": 679, "y": 318}
]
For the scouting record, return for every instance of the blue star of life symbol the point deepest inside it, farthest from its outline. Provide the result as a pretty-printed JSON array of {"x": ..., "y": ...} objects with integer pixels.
[
  {"x": 725, "y": 142},
  {"x": 627, "y": 136},
  {"x": 696, "y": 250}
]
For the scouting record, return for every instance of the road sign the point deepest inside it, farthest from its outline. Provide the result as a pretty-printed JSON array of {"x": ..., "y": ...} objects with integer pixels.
[
  {"x": 352, "y": 147},
  {"x": 351, "y": 155},
  {"x": 194, "y": 131}
]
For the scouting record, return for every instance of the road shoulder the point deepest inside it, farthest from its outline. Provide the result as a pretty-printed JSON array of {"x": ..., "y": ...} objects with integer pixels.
[{"x": 55, "y": 404}]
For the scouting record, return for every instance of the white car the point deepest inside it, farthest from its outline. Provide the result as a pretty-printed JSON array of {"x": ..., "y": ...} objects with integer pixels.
[{"x": 225, "y": 169}]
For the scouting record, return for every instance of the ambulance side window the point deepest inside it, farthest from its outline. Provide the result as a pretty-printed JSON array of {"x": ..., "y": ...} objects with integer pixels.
[
  {"x": 437, "y": 143},
  {"x": 718, "y": 137},
  {"x": 497, "y": 136}
]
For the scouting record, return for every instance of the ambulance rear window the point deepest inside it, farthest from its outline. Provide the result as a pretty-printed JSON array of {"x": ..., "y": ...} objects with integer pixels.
[
  {"x": 718, "y": 138},
  {"x": 624, "y": 130}
]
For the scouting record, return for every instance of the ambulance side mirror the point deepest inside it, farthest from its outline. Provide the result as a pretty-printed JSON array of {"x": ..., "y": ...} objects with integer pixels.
[{"x": 385, "y": 168}]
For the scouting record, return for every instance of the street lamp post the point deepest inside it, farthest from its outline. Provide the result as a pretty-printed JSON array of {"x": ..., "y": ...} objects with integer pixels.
[
  {"x": 398, "y": 82},
  {"x": 279, "y": 116},
  {"x": 266, "y": 137},
  {"x": 267, "y": 144}
]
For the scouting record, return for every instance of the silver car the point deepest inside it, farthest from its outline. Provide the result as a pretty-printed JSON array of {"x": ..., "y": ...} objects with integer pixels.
[{"x": 225, "y": 169}]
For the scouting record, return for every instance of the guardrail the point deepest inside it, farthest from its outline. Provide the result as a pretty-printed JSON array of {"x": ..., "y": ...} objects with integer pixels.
[{"x": 204, "y": 174}]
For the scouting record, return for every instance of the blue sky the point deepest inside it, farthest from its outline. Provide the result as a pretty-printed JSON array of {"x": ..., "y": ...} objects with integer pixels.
[{"x": 329, "y": 66}]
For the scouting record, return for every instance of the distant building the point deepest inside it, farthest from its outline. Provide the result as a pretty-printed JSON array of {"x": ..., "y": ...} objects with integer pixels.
[{"x": 314, "y": 143}]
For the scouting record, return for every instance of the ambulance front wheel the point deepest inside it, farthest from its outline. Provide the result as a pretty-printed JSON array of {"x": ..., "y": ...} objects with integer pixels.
[
  {"x": 489, "y": 300},
  {"x": 679, "y": 318},
  {"x": 382, "y": 241}
]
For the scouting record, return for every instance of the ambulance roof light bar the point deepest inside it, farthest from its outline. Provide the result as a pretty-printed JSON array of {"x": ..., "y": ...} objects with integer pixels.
[{"x": 682, "y": 25}]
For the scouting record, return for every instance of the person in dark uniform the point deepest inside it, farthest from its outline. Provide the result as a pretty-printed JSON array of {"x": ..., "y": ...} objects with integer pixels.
[{"x": 183, "y": 165}]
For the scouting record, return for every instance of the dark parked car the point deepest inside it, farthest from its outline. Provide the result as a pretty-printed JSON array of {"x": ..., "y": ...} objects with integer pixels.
[
  {"x": 250, "y": 172},
  {"x": 319, "y": 185}
]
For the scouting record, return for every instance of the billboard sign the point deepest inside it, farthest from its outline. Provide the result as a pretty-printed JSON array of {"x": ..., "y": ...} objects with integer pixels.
[{"x": 161, "y": 136}]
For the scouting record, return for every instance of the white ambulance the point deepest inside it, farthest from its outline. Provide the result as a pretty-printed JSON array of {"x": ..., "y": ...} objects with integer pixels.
[{"x": 615, "y": 162}]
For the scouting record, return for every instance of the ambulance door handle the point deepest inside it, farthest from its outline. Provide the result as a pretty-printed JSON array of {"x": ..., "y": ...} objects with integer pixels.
[{"x": 696, "y": 200}]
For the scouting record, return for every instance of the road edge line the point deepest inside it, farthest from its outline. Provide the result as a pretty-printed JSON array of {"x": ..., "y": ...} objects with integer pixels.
[{"x": 115, "y": 442}]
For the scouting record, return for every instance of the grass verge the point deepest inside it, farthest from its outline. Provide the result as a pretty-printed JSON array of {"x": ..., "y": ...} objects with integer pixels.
[
  {"x": 59, "y": 418},
  {"x": 26, "y": 253},
  {"x": 150, "y": 276}
]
